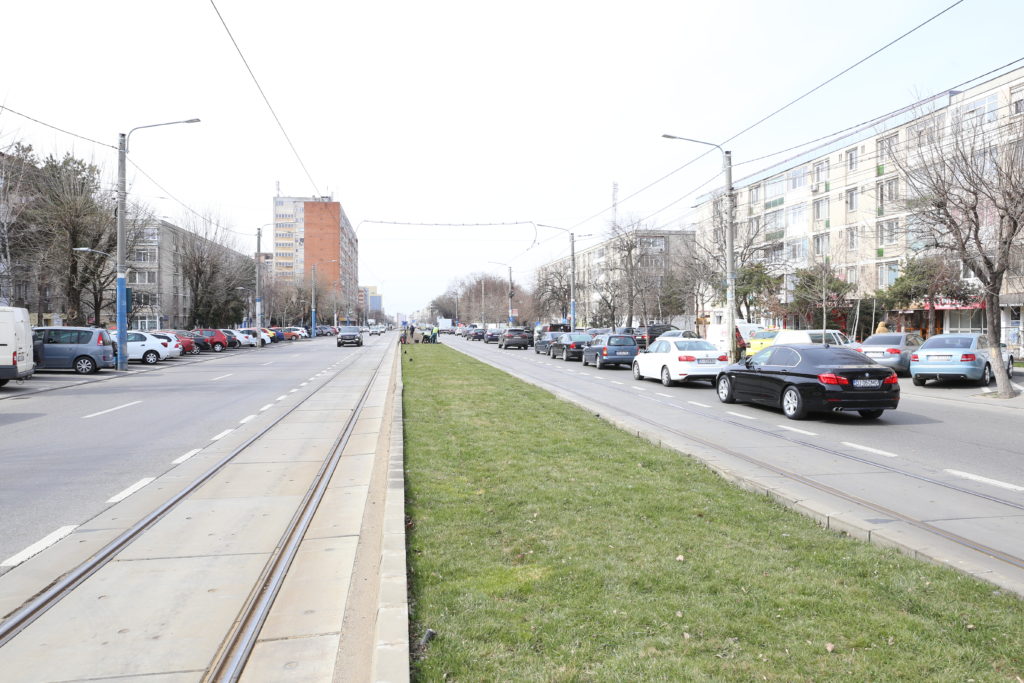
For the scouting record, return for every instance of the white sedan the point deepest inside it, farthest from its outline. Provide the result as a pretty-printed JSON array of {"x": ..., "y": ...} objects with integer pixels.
[
  {"x": 679, "y": 360},
  {"x": 144, "y": 347}
]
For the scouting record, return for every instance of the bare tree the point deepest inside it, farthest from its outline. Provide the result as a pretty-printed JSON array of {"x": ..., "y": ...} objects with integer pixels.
[
  {"x": 965, "y": 187},
  {"x": 18, "y": 170},
  {"x": 214, "y": 273}
]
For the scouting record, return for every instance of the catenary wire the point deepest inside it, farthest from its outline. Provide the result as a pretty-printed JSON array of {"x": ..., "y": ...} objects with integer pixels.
[{"x": 50, "y": 125}]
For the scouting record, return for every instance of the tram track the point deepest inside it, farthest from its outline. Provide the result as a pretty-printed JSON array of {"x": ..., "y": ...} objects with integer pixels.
[{"x": 233, "y": 652}]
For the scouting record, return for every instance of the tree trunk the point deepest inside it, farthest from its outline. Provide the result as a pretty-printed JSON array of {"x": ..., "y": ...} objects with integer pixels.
[{"x": 995, "y": 351}]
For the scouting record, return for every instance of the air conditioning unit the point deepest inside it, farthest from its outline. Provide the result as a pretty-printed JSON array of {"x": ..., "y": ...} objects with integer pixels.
[{"x": 816, "y": 187}]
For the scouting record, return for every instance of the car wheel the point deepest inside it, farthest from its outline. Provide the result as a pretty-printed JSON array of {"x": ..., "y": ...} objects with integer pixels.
[
  {"x": 597, "y": 363},
  {"x": 666, "y": 378},
  {"x": 793, "y": 404},
  {"x": 217, "y": 347},
  {"x": 583, "y": 359},
  {"x": 636, "y": 371},
  {"x": 195, "y": 350},
  {"x": 919, "y": 381},
  {"x": 565, "y": 354},
  {"x": 339, "y": 345},
  {"x": 725, "y": 393},
  {"x": 986, "y": 377},
  {"x": 871, "y": 414},
  {"x": 150, "y": 357},
  {"x": 85, "y": 365}
]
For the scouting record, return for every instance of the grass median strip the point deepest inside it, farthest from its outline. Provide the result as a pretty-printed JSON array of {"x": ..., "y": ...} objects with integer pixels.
[{"x": 545, "y": 544}]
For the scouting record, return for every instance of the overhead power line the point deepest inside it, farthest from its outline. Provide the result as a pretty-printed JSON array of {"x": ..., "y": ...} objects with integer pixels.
[
  {"x": 49, "y": 125},
  {"x": 265, "y": 98}
]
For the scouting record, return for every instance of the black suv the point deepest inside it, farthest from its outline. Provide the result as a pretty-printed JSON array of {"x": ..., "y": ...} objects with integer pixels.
[
  {"x": 514, "y": 336},
  {"x": 349, "y": 335}
]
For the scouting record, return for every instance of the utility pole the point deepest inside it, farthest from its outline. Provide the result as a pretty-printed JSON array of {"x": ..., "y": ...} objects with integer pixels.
[
  {"x": 122, "y": 303},
  {"x": 312, "y": 323},
  {"x": 730, "y": 272},
  {"x": 510, "y": 295},
  {"x": 259, "y": 301},
  {"x": 572, "y": 281}
]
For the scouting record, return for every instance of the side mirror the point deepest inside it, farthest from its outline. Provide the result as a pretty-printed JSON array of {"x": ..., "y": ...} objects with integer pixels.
[{"x": 748, "y": 361}]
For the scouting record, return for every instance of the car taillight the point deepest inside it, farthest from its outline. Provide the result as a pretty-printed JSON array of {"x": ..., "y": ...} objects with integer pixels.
[
  {"x": 832, "y": 378},
  {"x": 687, "y": 359},
  {"x": 164, "y": 344},
  {"x": 859, "y": 350},
  {"x": 723, "y": 357},
  {"x": 572, "y": 346},
  {"x": 913, "y": 357},
  {"x": 968, "y": 357},
  {"x": 604, "y": 352},
  {"x": 891, "y": 379},
  {"x": 895, "y": 352}
]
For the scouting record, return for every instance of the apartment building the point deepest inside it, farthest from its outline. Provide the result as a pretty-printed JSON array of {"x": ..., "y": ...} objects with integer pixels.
[{"x": 845, "y": 201}]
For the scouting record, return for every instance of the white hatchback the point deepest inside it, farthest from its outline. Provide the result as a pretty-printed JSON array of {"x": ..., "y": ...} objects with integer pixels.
[
  {"x": 679, "y": 360},
  {"x": 173, "y": 344},
  {"x": 144, "y": 347}
]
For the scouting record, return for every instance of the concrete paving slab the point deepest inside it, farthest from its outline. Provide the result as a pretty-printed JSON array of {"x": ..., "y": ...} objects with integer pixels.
[
  {"x": 312, "y": 599},
  {"x": 353, "y": 470},
  {"x": 263, "y": 479},
  {"x": 337, "y": 416},
  {"x": 110, "y": 625},
  {"x": 340, "y": 512},
  {"x": 217, "y": 527},
  {"x": 361, "y": 443},
  {"x": 306, "y": 660},
  {"x": 292, "y": 431},
  {"x": 274, "y": 450},
  {"x": 996, "y": 532},
  {"x": 371, "y": 425}
]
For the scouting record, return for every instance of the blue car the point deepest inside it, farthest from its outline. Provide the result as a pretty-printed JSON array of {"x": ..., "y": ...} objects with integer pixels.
[
  {"x": 963, "y": 356},
  {"x": 610, "y": 349}
]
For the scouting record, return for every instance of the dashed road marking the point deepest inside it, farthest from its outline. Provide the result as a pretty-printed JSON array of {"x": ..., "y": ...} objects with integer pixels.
[
  {"x": 110, "y": 410},
  {"x": 130, "y": 490},
  {"x": 267, "y": 407},
  {"x": 615, "y": 381},
  {"x": 794, "y": 429},
  {"x": 639, "y": 388},
  {"x": 38, "y": 546},
  {"x": 702, "y": 405},
  {"x": 304, "y": 384},
  {"x": 268, "y": 362},
  {"x": 222, "y": 435},
  {"x": 985, "y": 480},
  {"x": 246, "y": 419},
  {"x": 222, "y": 377},
  {"x": 178, "y": 461},
  {"x": 280, "y": 398},
  {"x": 292, "y": 391},
  {"x": 745, "y": 417},
  {"x": 869, "y": 449},
  {"x": 665, "y": 395}
]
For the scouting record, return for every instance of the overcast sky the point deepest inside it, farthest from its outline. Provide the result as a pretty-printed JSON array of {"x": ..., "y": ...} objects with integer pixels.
[{"x": 466, "y": 112}]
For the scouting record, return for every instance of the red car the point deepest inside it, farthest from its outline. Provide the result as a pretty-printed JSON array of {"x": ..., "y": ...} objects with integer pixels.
[
  {"x": 188, "y": 344},
  {"x": 217, "y": 340}
]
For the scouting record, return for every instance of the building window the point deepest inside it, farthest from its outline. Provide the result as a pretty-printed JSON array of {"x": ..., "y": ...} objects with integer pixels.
[
  {"x": 142, "y": 298},
  {"x": 852, "y": 240},
  {"x": 150, "y": 234},
  {"x": 774, "y": 188},
  {"x": 754, "y": 225},
  {"x": 886, "y": 148},
  {"x": 821, "y": 244},
  {"x": 797, "y": 215},
  {"x": 966, "y": 321},
  {"x": 982, "y": 110},
  {"x": 821, "y": 171},
  {"x": 887, "y": 194},
  {"x": 1017, "y": 99},
  {"x": 145, "y": 323},
  {"x": 142, "y": 277},
  {"x": 774, "y": 221},
  {"x": 851, "y": 274},
  {"x": 887, "y": 232},
  {"x": 851, "y": 199},
  {"x": 754, "y": 195},
  {"x": 653, "y": 245},
  {"x": 887, "y": 273},
  {"x": 821, "y": 209},
  {"x": 851, "y": 159},
  {"x": 796, "y": 250},
  {"x": 797, "y": 177},
  {"x": 144, "y": 255}
]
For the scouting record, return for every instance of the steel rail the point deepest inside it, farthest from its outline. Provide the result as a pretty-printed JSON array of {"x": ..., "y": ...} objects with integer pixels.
[{"x": 21, "y": 618}]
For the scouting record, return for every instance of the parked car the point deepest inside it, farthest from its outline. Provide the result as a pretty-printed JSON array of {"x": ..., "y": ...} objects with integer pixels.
[
  {"x": 349, "y": 335},
  {"x": 492, "y": 335},
  {"x": 514, "y": 337},
  {"x": 234, "y": 341},
  {"x": 256, "y": 334},
  {"x": 173, "y": 345},
  {"x": 832, "y": 337},
  {"x": 83, "y": 349},
  {"x": 645, "y": 335},
  {"x": 476, "y": 334},
  {"x": 807, "y": 378},
  {"x": 679, "y": 334},
  {"x": 594, "y": 331},
  {"x": 187, "y": 341},
  {"x": 144, "y": 347},
  {"x": 276, "y": 334},
  {"x": 679, "y": 360},
  {"x": 543, "y": 342},
  {"x": 956, "y": 356},
  {"x": 16, "y": 358},
  {"x": 245, "y": 337},
  {"x": 892, "y": 349},
  {"x": 217, "y": 340},
  {"x": 610, "y": 349},
  {"x": 569, "y": 345},
  {"x": 287, "y": 333},
  {"x": 761, "y": 339}
]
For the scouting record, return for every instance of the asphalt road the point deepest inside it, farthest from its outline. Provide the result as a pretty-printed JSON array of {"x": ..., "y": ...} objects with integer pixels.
[
  {"x": 950, "y": 455},
  {"x": 71, "y": 445}
]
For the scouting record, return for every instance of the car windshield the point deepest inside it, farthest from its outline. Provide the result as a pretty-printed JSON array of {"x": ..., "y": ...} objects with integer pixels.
[
  {"x": 621, "y": 341},
  {"x": 580, "y": 337},
  {"x": 349, "y": 330},
  {"x": 833, "y": 338},
  {"x": 765, "y": 334},
  {"x": 948, "y": 343},
  {"x": 513, "y": 330},
  {"x": 696, "y": 345},
  {"x": 884, "y": 340}
]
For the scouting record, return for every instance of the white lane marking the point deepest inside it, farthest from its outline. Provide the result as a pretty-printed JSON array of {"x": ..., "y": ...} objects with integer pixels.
[
  {"x": 178, "y": 461},
  {"x": 312, "y": 378},
  {"x": 110, "y": 410},
  {"x": 304, "y": 384},
  {"x": 292, "y": 391},
  {"x": 869, "y": 449},
  {"x": 222, "y": 435},
  {"x": 38, "y": 546},
  {"x": 280, "y": 398},
  {"x": 246, "y": 419},
  {"x": 268, "y": 363},
  {"x": 222, "y": 377},
  {"x": 745, "y": 417},
  {"x": 665, "y": 395},
  {"x": 615, "y": 381},
  {"x": 130, "y": 490},
  {"x": 985, "y": 480},
  {"x": 267, "y": 407},
  {"x": 1016, "y": 386},
  {"x": 794, "y": 429},
  {"x": 569, "y": 370},
  {"x": 639, "y": 388},
  {"x": 600, "y": 378},
  {"x": 702, "y": 405}
]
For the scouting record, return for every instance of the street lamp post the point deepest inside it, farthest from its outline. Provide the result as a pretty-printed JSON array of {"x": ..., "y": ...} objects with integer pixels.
[
  {"x": 572, "y": 271},
  {"x": 509, "y": 288},
  {"x": 122, "y": 304},
  {"x": 730, "y": 249}
]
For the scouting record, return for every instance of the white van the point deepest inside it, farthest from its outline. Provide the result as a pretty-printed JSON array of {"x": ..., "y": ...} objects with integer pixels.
[
  {"x": 833, "y": 337},
  {"x": 16, "y": 359}
]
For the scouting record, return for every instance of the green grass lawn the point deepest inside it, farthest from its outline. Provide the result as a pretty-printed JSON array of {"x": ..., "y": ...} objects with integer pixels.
[{"x": 547, "y": 545}]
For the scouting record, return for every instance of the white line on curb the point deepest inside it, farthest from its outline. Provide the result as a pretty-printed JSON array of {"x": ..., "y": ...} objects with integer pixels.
[
  {"x": 222, "y": 435},
  {"x": 267, "y": 407},
  {"x": 745, "y": 417},
  {"x": 869, "y": 449},
  {"x": 130, "y": 490},
  {"x": 985, "y": 480},
  {"x": 222, "y": 377},
  {"x": 246, "y": 419},
  {"x": 178, "y": 461},
  {"x": 38, "y": 546},
  {"x": 798, "y": 431},
  {"x": 110, "y": 410}
]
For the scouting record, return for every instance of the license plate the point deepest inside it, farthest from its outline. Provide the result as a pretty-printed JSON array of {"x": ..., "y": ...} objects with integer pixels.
[
  {"x": 705, "y": 361},
  {"x": 622, "y": 353},
  {"x": 876, "y": 354},
  {"x": 939, "y": 357},
  {"x": 867, "y": 383}
]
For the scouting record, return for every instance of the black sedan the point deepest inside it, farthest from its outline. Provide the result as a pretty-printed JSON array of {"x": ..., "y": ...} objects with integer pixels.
[
  {"x": 475, "y": 334},
  {"x": 543, "y": 341},
  {"x": 569, "y": 346},
  {"x": 807, "y": 378}
]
